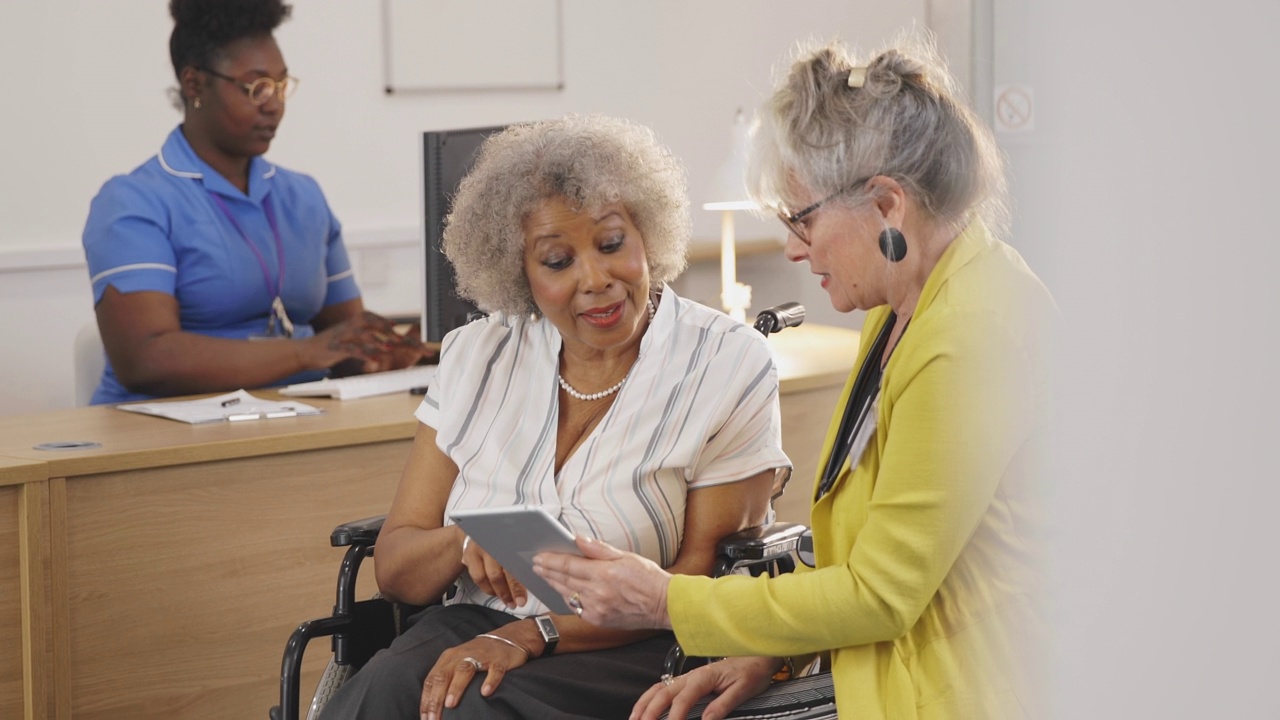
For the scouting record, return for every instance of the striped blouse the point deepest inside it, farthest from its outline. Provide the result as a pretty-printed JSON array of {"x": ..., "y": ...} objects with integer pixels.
[{"x": 700, "y": 408}]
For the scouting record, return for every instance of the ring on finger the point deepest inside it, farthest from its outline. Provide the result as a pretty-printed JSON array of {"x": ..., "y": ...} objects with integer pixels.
[
  {"x": 667, "y": 679},
  {"x": 575, "y": 602},
  {"x": 474, "y": 663}
]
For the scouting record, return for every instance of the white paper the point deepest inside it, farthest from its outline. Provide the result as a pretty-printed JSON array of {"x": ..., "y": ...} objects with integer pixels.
[
  {"x": 233, "y": 407},
  {"x": 355, "y": 387}
]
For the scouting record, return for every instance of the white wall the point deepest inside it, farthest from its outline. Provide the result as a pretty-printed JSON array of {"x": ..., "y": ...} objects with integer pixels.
[
  {"x": 85, "y": 98},
  {"x": 1149, "y": 187}
]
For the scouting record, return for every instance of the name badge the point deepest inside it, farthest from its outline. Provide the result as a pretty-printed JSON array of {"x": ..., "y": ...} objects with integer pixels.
[{"x": 866, "y": 431}]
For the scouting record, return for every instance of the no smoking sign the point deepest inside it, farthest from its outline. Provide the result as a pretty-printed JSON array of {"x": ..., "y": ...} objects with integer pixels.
[{"x": 1014, "y": 109}]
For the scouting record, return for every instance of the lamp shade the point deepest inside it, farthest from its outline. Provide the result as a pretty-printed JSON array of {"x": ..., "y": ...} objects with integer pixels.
[{"x": 729, "y": 188}]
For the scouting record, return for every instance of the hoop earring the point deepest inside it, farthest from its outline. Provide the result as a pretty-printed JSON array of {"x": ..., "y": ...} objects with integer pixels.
[{"x": 892, "y": 244}]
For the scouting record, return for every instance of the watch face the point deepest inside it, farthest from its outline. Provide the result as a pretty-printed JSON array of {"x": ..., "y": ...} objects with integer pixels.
[{"x": 547, "y": 628}]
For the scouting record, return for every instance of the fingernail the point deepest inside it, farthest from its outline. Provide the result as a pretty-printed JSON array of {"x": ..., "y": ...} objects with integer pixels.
[
  {"x": 427, "y": 716},
  {"x": 448, "y": 701},
  {"x": 486, "y": 690}
]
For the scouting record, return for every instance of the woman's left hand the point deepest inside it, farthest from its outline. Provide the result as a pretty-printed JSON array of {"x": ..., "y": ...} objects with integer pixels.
[
  {"x": 612, "y": 588},
  {"x": 457, "y": 666},
  {"x": 732, "y": 680}
]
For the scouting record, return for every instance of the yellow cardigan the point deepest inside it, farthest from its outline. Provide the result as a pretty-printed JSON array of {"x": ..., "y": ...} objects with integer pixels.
[{"x": 925, "y": 587}]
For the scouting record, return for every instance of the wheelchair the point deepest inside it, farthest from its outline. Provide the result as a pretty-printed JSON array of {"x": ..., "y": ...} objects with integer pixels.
[{"x": 358, "y": 629}]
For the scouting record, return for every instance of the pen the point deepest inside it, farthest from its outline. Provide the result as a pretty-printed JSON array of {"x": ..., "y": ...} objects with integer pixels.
[
  {"x": 229, "y": 403},
  {"x": 267, "y": 415}
]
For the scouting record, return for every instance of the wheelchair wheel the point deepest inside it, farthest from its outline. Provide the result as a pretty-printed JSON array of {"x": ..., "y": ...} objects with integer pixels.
[{"x": 332, "y": 679}]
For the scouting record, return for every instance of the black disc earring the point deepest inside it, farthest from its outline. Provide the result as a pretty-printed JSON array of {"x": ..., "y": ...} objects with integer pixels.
[{"x": 893, "y": 244}]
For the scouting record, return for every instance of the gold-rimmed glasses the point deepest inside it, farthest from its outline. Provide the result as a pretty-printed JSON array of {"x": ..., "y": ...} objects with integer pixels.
[{"x": 262, "y": 89}]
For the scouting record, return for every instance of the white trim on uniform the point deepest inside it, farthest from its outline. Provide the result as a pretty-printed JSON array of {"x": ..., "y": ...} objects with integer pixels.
[
  {"x": 134, "y": 266},
  {"x": 341, "y": 276},
  {"x": 179, "y": 173}
]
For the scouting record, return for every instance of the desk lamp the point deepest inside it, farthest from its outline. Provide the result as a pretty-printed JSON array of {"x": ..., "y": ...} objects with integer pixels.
[{"x": 729, "y": 193}]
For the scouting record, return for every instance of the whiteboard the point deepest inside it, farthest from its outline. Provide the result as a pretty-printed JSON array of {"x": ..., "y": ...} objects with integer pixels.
[{"x": 468, "y": 45}]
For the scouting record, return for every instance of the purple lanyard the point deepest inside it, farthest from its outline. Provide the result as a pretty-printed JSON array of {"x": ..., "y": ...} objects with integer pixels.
[{"x": 275, "y": 232}]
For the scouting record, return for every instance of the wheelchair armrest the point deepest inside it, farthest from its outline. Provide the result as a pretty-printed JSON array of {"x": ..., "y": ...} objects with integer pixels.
[
  {"x": 357, "y": 532},
  {"x": 762, "y": 543},
  {"x": 767, "y": 548}
]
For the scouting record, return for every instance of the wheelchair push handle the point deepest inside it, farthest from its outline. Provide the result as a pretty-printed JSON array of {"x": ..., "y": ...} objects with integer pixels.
[{"x": 771, "y": 320}]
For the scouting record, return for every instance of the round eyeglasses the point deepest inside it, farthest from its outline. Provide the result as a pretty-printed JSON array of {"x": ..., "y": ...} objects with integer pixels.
[{"x": 262, "y": 89}]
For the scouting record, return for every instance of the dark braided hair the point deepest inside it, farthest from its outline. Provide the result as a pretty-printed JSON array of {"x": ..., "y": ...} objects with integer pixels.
[{"x": 202, "y": 28}]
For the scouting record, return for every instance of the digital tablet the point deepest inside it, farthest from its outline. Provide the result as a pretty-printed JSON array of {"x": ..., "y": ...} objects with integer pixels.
[{"x": 513, "y": 535}]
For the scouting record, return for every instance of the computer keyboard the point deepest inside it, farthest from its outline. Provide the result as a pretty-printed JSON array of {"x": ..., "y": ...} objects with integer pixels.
[{"x": 360, "y": 386}]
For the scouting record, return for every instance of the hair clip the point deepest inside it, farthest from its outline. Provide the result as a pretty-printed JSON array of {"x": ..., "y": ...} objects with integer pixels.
[{"x": 857, "y": 77}]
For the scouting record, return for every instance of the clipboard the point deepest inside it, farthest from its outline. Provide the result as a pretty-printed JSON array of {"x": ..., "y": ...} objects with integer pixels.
[
  {"x": 513, "y": 535},
  {"x": 236, "y": 406}
]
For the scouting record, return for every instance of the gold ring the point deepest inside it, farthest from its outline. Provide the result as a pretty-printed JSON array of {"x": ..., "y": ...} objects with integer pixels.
[
  {"x": 575, "y": 602},
  {"x": 474, "y": 663}
]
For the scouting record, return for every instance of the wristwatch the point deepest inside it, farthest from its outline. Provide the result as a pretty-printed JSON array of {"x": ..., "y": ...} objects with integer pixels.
[{"x": 550, "y": 635}]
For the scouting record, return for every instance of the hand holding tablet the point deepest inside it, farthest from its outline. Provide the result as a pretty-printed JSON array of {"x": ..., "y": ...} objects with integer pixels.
[{"x": 513, "y": 535}]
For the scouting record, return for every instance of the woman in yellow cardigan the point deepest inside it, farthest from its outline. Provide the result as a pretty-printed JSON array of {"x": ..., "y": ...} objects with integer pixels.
[{"x": 924, "y": 592}]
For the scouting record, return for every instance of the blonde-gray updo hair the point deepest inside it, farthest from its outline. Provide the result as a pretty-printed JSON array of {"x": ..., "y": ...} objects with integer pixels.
[
  {"x": 591, "y": 161},
  {"x": 908, "y": 122}
]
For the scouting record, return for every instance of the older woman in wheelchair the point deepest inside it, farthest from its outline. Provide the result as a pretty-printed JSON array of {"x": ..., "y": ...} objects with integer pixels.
[
  {"x": 591, "y": 389},
  {"x": 925, "y": 594}
]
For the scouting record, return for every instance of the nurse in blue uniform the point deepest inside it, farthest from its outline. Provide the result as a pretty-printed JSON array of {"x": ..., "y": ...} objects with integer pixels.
[{"x": 213, "y": 268}]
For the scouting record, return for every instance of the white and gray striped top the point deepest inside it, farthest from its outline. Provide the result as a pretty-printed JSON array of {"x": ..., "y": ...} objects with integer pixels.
[{"x": 700, "y": 408}]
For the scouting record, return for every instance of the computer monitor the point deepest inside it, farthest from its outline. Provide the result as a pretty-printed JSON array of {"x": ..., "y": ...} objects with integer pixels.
[{"x": 447, "y": 156}]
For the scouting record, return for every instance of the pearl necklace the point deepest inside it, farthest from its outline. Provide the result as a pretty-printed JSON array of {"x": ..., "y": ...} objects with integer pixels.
[
  {"x": 593, "y": 396},
  {"x": 603, "y": 393}
]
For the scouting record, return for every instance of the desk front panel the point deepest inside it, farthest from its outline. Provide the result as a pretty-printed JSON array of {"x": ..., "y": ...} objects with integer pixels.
[
  {"x": 18, "y": 671},
  {"x": 186, "y": 581},
  {"x": 10, "y": 607},
  {"x": 805, "y": 417}
]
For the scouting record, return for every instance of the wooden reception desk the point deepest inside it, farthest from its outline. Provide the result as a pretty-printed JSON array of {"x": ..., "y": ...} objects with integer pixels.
[{"x": 159, "y": 575}]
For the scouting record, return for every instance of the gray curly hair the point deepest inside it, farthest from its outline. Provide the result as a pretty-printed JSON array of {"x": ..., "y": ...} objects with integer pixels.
[
  {"x": 591, "y": 161},
  {"x": 908, "y": 122}
]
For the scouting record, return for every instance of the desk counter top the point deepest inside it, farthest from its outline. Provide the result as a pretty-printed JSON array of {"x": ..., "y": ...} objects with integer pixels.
[
  {"x": 814, "y": 356},
  {"x": 130, "y": 441},
  {"x": 17, "y": 471},
  {"x": 809, "y": 357}
]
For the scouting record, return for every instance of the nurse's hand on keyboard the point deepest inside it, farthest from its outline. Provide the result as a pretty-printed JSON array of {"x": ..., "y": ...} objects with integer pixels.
[{"x": 370, "y": 343}]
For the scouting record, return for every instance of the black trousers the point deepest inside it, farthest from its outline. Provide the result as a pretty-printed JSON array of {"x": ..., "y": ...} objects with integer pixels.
[{"x": 601, "y": 684}]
